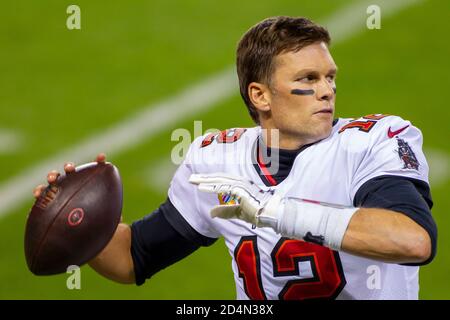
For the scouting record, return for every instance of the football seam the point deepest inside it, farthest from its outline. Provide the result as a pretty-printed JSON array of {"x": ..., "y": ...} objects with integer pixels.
[{"x": 44, "y": 238}]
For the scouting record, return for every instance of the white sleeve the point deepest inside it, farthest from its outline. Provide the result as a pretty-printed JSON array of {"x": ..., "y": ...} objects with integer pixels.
[
  {"x": 392, "y": 155},
  {"x": 191, "y": 204}
]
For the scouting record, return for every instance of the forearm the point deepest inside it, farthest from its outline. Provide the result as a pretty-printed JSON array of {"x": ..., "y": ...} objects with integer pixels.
[
  {"x": 115, "y": 261},
  {"x": 386, "y": 235},
  {"x": 374, "y": 233}
]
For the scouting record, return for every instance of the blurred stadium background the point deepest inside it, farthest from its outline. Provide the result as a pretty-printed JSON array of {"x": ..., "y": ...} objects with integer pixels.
[{"x": 60, "y": 88}]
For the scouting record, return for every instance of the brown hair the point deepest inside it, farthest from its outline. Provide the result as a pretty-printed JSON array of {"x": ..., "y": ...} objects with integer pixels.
[{"x": 259, "y": 45}]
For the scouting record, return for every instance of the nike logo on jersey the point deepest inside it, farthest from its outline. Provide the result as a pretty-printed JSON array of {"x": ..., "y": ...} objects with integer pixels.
[{"x": 392, "y": 134}]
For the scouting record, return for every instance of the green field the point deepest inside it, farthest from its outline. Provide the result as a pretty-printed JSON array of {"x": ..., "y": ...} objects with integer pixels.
[{"x": 60, "y": 87}]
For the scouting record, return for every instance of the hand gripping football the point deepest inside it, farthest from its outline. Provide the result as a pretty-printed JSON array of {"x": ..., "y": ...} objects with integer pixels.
[{"x": 71, "y": 223}]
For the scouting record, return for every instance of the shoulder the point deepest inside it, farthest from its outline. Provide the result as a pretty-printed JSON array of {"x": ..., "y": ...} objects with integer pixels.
[
  {"x": 375, "y": 125},
  {"x": 227, "y": 136},
  {"x": 221, "y": 145},
  {"x": 381, "y": 145},
  {"x": 372, "y": 130}
]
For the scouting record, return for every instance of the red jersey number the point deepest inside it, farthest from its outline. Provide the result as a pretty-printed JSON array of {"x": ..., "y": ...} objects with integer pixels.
[{"x": 326, "y": 281}]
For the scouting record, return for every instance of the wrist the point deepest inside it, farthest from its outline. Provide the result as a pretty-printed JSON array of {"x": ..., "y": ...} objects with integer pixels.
[
  {"x": 321, "y": 224},
  {"x": 271, "y": 213}
]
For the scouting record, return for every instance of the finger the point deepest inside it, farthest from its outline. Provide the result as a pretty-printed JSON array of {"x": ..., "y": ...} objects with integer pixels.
[
  {"x": 226, "y": 211},
  {"x": 214, "y": 188},
  {"x": 202, "y": 178},
  {"x": 240, "y": 192},
  {"x": 38, "y": 190},
  {"x": 207, "y": 187},
  {"x": 69, "y": 167},
  {"x": 52, "y": 176},
  {"x": 101, "y": 158},
  {"x": 213, "y": 178}
]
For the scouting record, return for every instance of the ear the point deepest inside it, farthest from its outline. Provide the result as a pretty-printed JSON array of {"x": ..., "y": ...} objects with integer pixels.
[{"x": 260, "y": 96}]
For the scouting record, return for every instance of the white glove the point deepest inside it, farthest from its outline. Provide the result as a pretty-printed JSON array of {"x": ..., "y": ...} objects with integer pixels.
[
  {"x": 256, "y": 206},
  {"x": 317, "y": 222}
]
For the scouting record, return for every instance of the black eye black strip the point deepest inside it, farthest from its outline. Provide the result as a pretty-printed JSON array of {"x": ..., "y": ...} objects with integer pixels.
[
  {"x": 301, "y": 92},
  {"x": 309, "y": 92}
]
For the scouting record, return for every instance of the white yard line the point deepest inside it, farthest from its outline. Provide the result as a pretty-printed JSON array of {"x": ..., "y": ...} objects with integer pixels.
[
  {"x": 123, "y": 136},
  {"x": 158, "y": 117},
  {"x": 439, "y": 163},
  {"x": 10, "y": 141},
  {"x": 159, "y": 173},
  {"x": 351, "y": 20}
]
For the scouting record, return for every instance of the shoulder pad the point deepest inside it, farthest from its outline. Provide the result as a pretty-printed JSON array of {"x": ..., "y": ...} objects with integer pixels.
[{"x": 379, "y": 125}]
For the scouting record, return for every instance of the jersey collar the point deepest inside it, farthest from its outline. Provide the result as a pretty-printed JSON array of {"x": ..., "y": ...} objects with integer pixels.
[{"x": 264, "y": 163}]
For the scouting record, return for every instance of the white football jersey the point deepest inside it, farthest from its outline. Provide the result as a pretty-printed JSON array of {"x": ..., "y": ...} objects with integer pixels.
[{"x": 269, "y": 266}]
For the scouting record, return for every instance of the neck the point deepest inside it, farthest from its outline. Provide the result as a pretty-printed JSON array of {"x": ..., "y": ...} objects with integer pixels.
[{"x": 274, "y": 138}]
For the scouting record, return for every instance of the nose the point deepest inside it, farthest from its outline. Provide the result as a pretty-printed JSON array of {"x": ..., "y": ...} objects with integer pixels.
[{"x": 326, "y": 90}]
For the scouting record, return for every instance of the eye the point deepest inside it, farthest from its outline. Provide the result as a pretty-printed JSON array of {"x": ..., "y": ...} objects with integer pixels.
[
  {"x": 331, "y": 77},
  {"x": 306, "y": 79}
]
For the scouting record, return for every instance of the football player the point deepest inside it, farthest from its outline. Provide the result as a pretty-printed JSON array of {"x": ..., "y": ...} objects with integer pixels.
[{"x": 348, "y": 197}]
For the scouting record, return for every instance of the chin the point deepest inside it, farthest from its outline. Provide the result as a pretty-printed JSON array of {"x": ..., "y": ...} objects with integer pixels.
[
  {"x": 323, "y": 131},
  {"x": 308, "y": 132}
]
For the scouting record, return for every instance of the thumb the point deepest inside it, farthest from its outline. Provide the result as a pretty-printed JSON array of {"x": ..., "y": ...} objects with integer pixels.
[{"x": 226, "y": 211}]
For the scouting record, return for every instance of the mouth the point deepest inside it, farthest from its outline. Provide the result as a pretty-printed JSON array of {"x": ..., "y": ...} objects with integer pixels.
[{"x": 325, "y": 111}]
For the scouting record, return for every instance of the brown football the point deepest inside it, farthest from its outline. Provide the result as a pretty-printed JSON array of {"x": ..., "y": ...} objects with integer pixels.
[{"x": 71, "y": 224}]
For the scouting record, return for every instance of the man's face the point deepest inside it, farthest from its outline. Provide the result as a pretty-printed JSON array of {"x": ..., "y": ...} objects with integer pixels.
[{"x": 302, "y": 93}]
